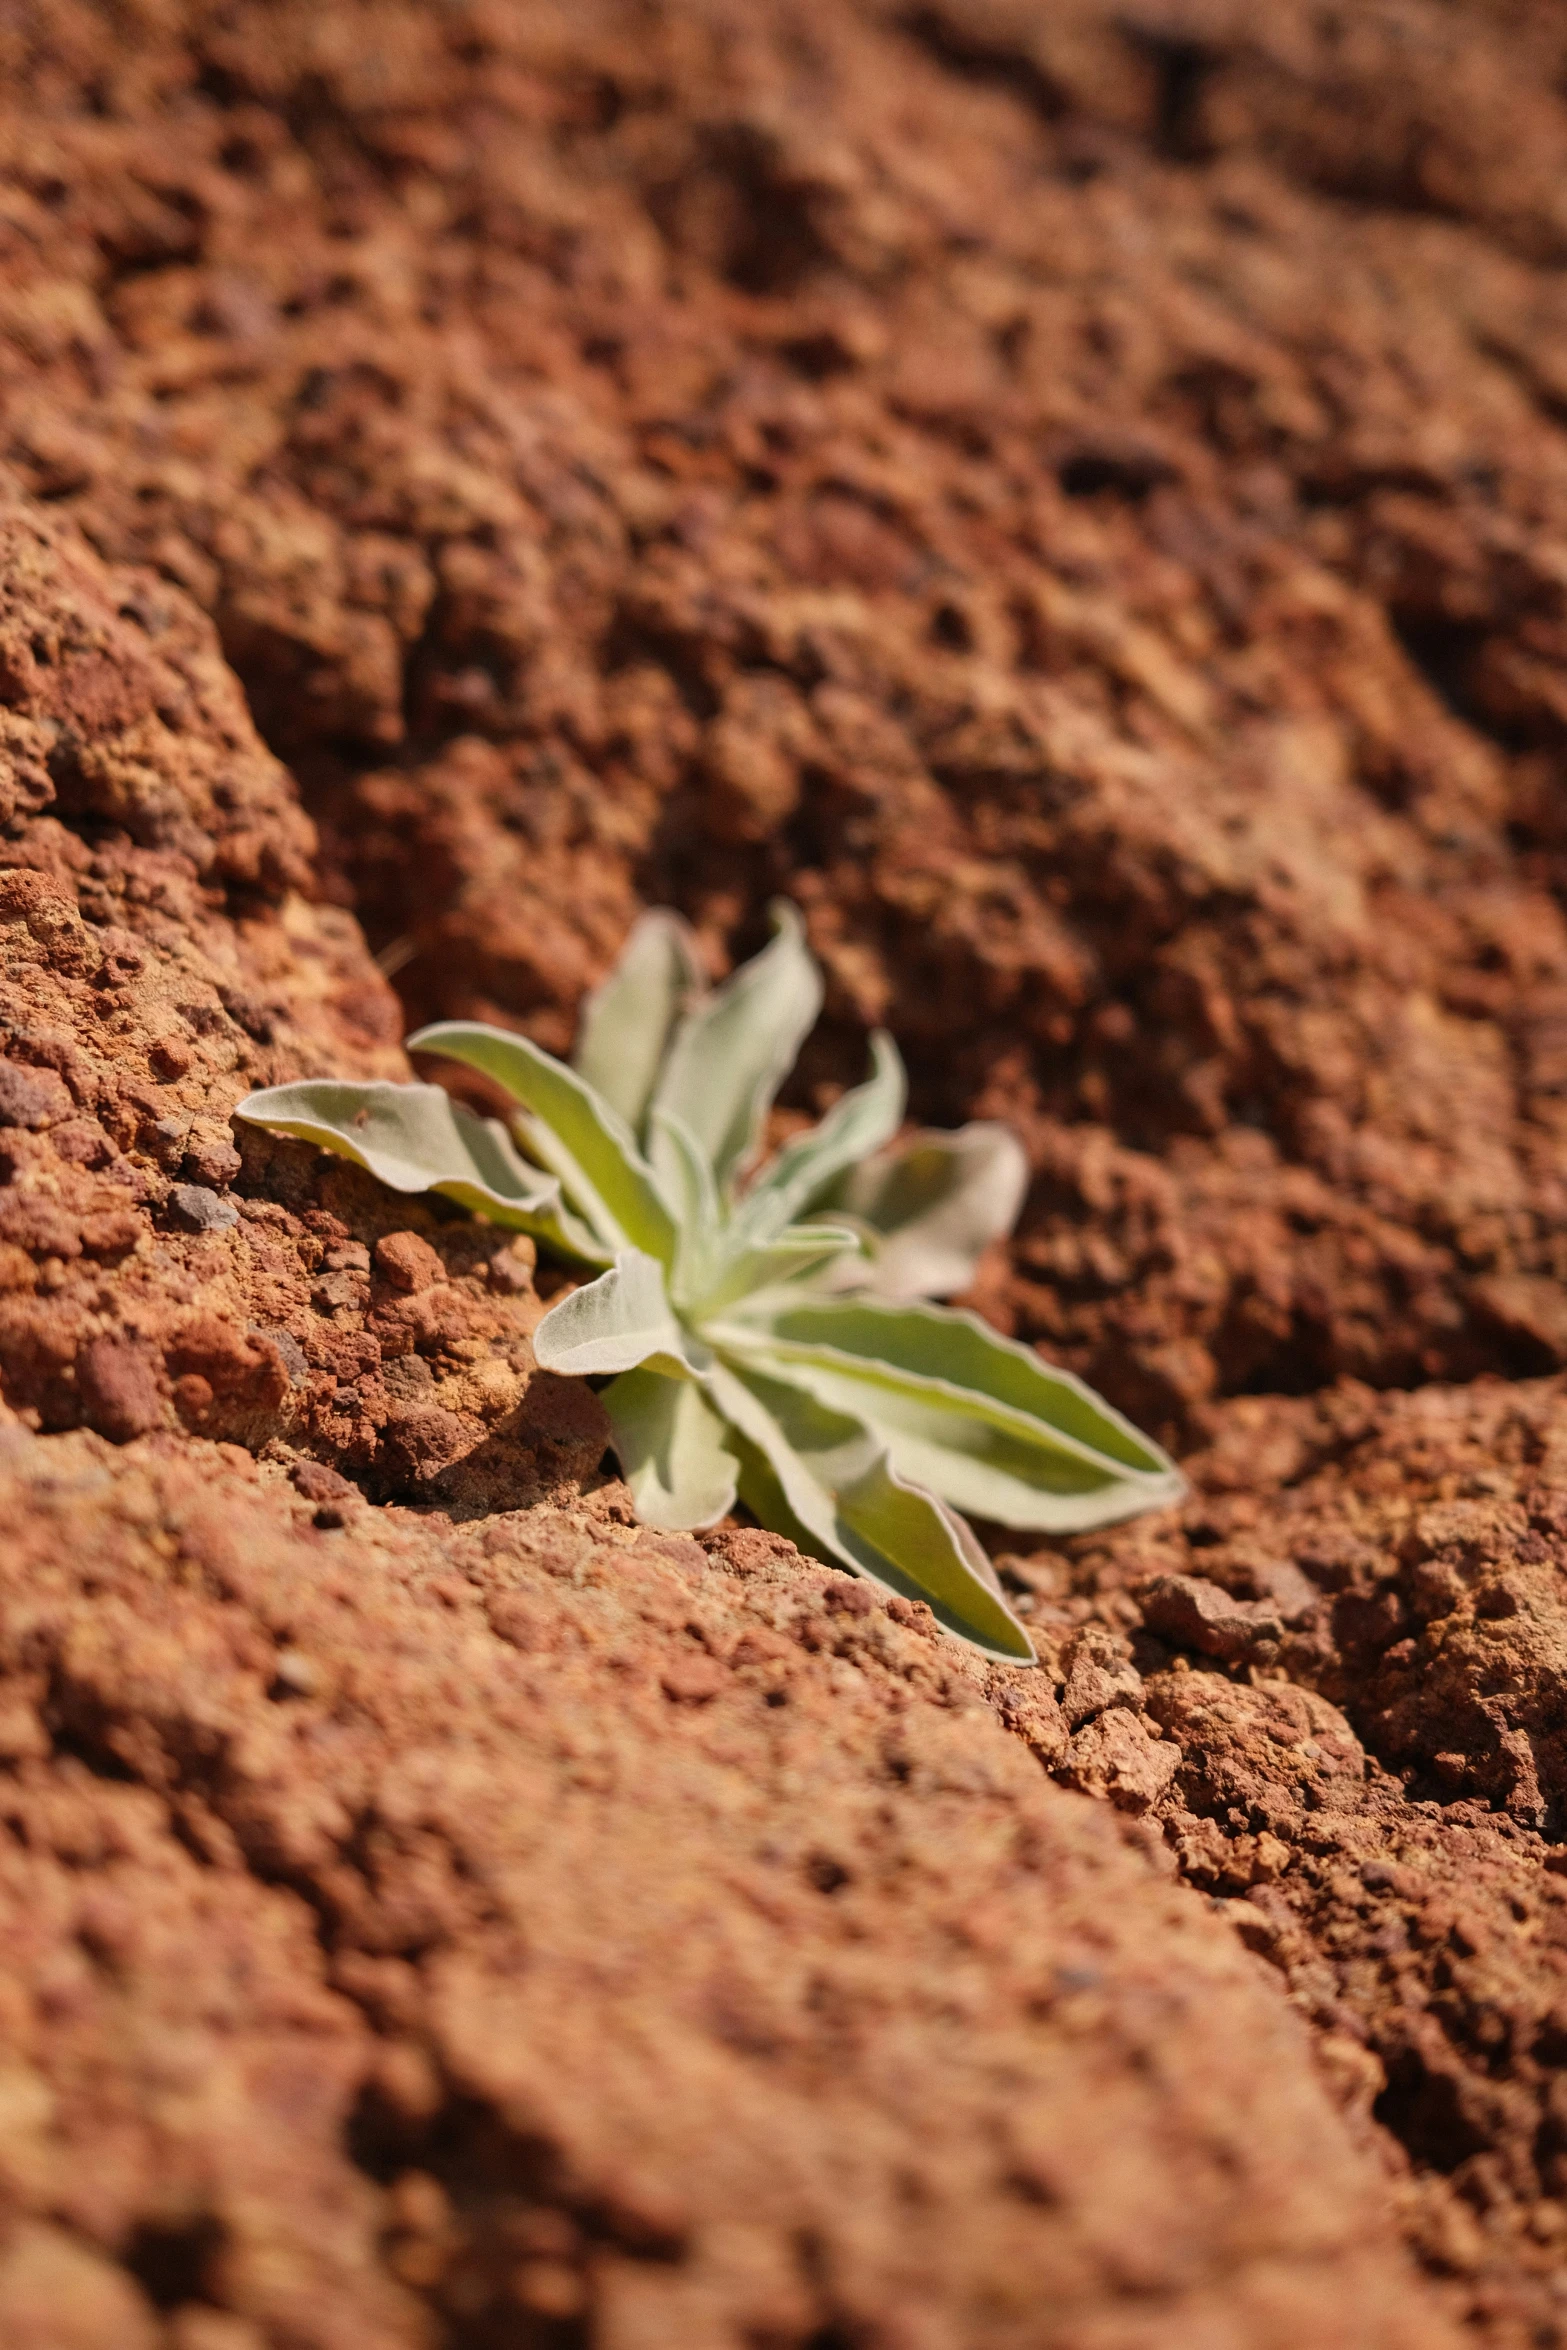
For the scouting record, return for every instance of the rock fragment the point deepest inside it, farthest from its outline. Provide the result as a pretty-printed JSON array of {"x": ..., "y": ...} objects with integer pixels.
[{"x": 200, "y": 1209}]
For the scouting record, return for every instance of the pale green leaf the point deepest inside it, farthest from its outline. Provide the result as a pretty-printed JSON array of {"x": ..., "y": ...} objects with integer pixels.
[
  {"x": 670, "y": 1443},
  {"x": 566, "y": 1125},
  {"x": 498, "y": 1164},
  {"x": 983, "y": 1422},
  {"x": 931, "y": 1206},
  {"x": 685, "y": 1177},
  {"x": 415, "y": 1138},
  {"x": 967, "y": 1460},
  {"x": 963, "y": 1534},
  {"x": 732, "y": 1051},
  {"x": 626, "y": 1022},
  {"x": 957, "y": 1349},
  {"x": 805, "y": 1168},
  {"x": 615, "y": 1323},
  {"x": 803, "y": 1249},
  {"x": 823, "y": 1478}
]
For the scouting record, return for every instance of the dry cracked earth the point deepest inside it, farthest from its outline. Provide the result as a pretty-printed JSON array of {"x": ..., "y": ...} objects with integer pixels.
[{"x": 1075, "y": 495}]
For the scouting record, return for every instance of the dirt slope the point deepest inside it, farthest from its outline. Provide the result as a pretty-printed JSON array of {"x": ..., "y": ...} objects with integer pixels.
[
  {"x": 523, "y": 1928},
  {"x": 1076, "y": 498}
]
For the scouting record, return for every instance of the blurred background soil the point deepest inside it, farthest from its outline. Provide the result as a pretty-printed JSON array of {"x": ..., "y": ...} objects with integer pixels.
[{"x": 1076, "y": 497}]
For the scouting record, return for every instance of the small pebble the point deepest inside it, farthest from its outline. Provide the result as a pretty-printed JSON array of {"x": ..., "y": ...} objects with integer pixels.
[{"x": 200, "y": 1210}]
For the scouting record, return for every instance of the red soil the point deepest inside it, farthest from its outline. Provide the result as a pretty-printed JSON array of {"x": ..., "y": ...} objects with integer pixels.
[{"x": 1075, "y": 497}]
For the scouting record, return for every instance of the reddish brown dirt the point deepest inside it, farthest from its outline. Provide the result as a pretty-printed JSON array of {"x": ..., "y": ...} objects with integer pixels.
[
  {"x": 157, "y": 965},
  {"x": 1365, "y": 1677},
  {"x": 479, "y": 1922},
  {"x": 1076, "y": 497},
  {"x": 545, "y": 1932},
  {"x": 1078, "y": 504}
]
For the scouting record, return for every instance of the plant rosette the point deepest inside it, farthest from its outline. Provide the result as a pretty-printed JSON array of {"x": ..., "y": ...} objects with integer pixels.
[{"x": 764, "y": 1326}]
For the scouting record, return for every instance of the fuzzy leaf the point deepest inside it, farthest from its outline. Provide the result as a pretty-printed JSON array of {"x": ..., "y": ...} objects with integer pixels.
[
  {"x": 931, "y": 1207},
  {"x": 626, "y": 1021},
  {"x": 732, "y": 1051},
  {"x": 416, "y": 1138},
  {"x": 806, "y": 1167},
  {"x": 822, "y": 1478},
  {"x": 616, "y": 1322},
  {"x": 958, "y": 1349},
  {"x": 576, "y": 1134},
  {"x": 685, "y": 1177},
  {"x": 983, "y": 1422},
  {"x": 803, "y": 1249},
  {"x": 671, "y": 1447}
]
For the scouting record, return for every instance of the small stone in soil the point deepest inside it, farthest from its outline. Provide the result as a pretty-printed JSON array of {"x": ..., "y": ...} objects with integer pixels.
[{"x": 200, "y": 1210}]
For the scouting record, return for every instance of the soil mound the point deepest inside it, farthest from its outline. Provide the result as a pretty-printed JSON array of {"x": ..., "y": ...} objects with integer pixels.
[
  {"x": 1074, "y": 497},
  {"x": 548, "y": 1932}
]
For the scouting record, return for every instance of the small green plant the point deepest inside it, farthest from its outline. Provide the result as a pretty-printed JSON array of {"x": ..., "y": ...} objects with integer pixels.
[{"x": 763, "y": 1328}]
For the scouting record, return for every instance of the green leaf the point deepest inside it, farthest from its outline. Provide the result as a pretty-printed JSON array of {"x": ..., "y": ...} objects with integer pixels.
[
  {"x": 416, "y": 1138},
  {"x": 930, "y": 1208},
  {"x": 803, "y": 1249},
  {"x": 671, "y": 1447},
  {"x": 576, "y": 1134},
  {"x": 822, "y": 1478},
  {"x": 615, "y": 1323},
  {"x": 804, "y": 1169},
  {"x": 981, "y": 1421},
  {"x": 493, "y": 1154},
  {"x": 626, "y": 1022},
  {"x": 685, "y": 1177},
  {"x": 732, "y": 1051}
]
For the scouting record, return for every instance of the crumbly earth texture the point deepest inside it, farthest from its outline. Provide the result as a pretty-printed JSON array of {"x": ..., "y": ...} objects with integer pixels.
[{"x": 1076, "y": 496}]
